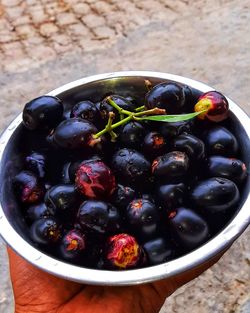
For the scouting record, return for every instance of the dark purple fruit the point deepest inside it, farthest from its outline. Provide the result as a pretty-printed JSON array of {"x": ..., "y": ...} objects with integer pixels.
[
  {"x": 123, "y": 252},
  {"x": 215, "y": 194},
  {"x": 44, "y": 112},
  {"x": 74, "y": 133},
  {"x": 62, "y": 200},
  {"x": 86, "y": 110},
  {"x": 233, "y": 169},
  {"x": 69, "y": 172},
  {"x": 122, "y": 196},
  {"x": 142, "y": 217},
  {"x": 27, "y": 187},
  {"x": 158, "y": 251},
  {"x": 191, "y": 145},
  {"x": 95, "y": 180},
  {"x": 38, "y": 211},
  {"x": 168, "y": 96},
  {"x": 45, "y": 231},
  {"x": 131, "y": 134},
  {"x": 220, "y": 141},
  {"x": 215, "y": 104},
  {"x": 73, "y": 245},
  {"x": 188, "y": 228},
  {"x": 173, "y": 129},
  {"x": 131, "y": 166},
  {"x": 171, "y": 165},
  {"x": 36, "y": 162},
  {"x": 171, "y": 195},
  {"x": 153, "y": 144},
  {"x": 98, "y": 217}
]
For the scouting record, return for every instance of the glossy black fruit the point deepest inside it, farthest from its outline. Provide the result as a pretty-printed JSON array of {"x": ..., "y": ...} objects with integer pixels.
[
  {"x": 142, "y": 217},
  {"x": 168, "y": 96},
  {"x": 131, "y": 135},
  {"x": 95, "y": 180},
  {"x": 158, "y": 251},
  {"x": 44, "y": 112},
  {"x": 27, "y": 187},
  {"x": 99, "y": 217},
  {"x": 69, "y": 172},
  {"x": 170, "y": 166},
  {"x": 233, "y": 169},
  {"x": 123, "y": 252},
  {"x": 220, "y": 141},
  {"x": 122, "y": 196},
  {"x": 38, "y": 211},
  {"x": 74, "y": 133},
  {"x": 45, "y": 231},
  {"x": 173, "y": 129},
  {"x": 62, "y": 200},
  {"x": 188, "y": 228},
  {"x": 191, "y": 145},
  {"x": 131, "y": 166},
  {"x": 36, "y": 162},
  {"x": 86, "y": 110},
  {"x": 215, "y": 194},
  {"x": 154, "y": 144},
  {"x": 73, "y": 245},
  {"x": 171, "y": 195}
]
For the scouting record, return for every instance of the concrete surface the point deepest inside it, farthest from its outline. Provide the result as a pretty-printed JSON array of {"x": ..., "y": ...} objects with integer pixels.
[{"x": 46, "y": 43}]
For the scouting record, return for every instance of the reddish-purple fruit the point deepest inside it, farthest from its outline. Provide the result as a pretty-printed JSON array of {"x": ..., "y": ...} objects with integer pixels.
[
  {"x": 36, "y": 162},
  {"x": 188, "y": 228},
  {"x": 27, "y": 187},
  {"x": 73, "y": 245},
  {"x": 215, "y": 104},
  {"x": 95, "y": 180},
  {"x": 154, "y": 144},
  {"x": 98, "y": 217},
  {"x": 171, "y": 165},
  {"x": 74, "y": 133},
  {"x": 142, "y": 217},
  {"x": 45, "y": 231},
  {"x": 123, "y": 252}
]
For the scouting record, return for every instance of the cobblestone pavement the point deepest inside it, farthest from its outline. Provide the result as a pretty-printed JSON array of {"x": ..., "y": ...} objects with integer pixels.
[{"x": 46, "y": 43}]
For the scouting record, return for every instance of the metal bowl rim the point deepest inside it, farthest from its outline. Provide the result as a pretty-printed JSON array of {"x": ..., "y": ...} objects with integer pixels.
[{"x": 128, "y": 277}]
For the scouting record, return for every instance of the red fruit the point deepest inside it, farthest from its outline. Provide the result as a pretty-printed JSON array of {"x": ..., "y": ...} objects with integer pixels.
[
  {"x": 123, "y": 251},
  {"x": 216, "y": 105},
  {"x": 94, "y": 179}
]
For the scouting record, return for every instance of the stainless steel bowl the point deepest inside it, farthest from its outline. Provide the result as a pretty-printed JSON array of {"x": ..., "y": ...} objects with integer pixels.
[{"x": 12, "y": 226}]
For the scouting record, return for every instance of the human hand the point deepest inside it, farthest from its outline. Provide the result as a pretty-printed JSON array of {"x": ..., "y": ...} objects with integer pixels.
[{"x": 40, "y": 292}]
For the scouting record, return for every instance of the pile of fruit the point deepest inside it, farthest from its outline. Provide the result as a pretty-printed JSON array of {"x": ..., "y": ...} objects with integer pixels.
[{"x": 127, "y": 183}]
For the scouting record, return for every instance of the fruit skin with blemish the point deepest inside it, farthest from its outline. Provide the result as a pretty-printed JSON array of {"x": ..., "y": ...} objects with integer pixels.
[
  {"x": 142, "y": 217},
  {"x": 122, "y": 252},
  {"x": 73, "y": 245},
  {"x": 45, "y": 231},
  {"x": 215, "y": 104},
  {"x": 94, "y": 179},
  {"x": 154, "y": 144}
]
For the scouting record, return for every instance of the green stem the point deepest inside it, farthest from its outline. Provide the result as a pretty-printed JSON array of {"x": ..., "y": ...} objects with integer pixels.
[
  {"x": 140, "y": 108},
  {"x": 116, "y": 106},
  {"x": 149, "y": 112}
]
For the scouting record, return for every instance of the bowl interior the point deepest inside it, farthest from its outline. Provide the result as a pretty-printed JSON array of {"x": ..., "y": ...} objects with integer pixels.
[{"x": 12, "y": 158}]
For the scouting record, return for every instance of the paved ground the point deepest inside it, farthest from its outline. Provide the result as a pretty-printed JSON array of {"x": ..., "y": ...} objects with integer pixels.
[{"x": 46, "y": 43}]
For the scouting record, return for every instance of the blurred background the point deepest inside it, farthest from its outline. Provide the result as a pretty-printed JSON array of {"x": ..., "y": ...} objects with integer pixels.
[{"x": 47, "y": 43}]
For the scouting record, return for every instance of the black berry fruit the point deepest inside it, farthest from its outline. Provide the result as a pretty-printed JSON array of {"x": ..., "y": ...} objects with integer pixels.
[
  {"x": 171, "y": 195},
  {"x": 86, "y": 110},
  {"x": 191, "y": 145},
  {"x": 220, "y": 141},
  {"x": 154, "y": 144},
  {"x": 188, "y": 228},
  {"x": 44, "y": 112},
  {"x": 142, "y": 217},
  {"x": 38, "y": 211},
  {"x": 99, "y": 217},
  {"x": 168, "y": 96},
  {"x": 131, "y": 135},
  {"x": 27, "y": 187},
  {"x": 122, "y": 196},
  {"x": 173, "y": 129},
  {"x": 36, "y": 162},
  {"x": 215, "y": 194},
  {"x": 94, "y": 179},
  {"x": 158, "y": 251},
  {"x": 45, "y": 231}
]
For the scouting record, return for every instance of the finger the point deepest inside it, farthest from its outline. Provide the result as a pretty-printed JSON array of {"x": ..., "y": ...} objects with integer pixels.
[{"x": 33, "y": 287}]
